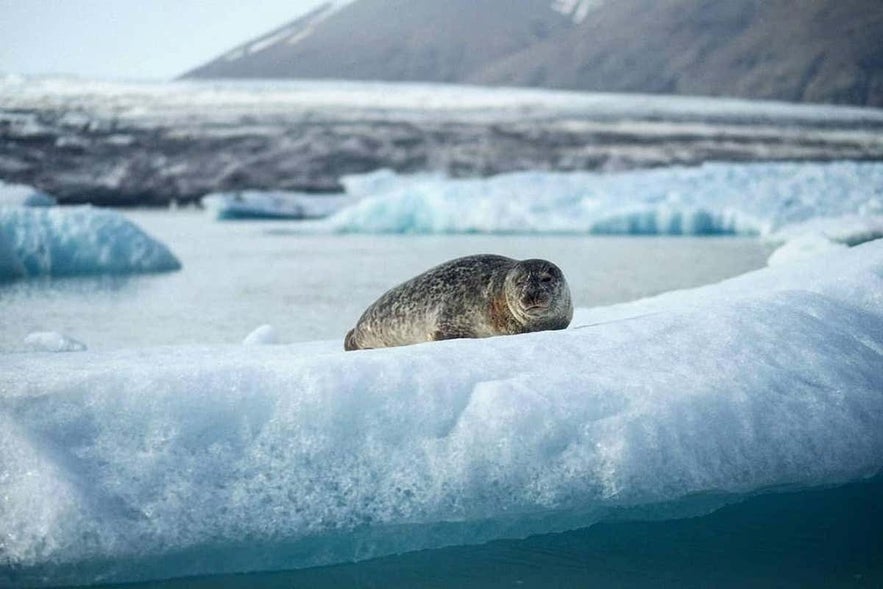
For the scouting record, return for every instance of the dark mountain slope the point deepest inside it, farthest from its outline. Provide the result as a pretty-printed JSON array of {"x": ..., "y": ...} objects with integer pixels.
[
  {"x": 798, "y": 50},
  {"x": 395, "y": 40}
]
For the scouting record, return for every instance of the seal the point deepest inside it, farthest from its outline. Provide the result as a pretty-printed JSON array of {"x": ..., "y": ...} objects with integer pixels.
[{"x": 477, "y": 296}]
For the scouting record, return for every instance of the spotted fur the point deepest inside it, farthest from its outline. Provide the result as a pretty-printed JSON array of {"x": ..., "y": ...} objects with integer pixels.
[{"x": 476, "y": 296}]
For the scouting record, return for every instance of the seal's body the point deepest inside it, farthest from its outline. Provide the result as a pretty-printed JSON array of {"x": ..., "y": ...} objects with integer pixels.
[{"x": 475, "y": 296}]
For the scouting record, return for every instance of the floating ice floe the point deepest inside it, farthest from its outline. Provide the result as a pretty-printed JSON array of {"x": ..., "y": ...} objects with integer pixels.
[
  {"x": 254, "y": 204},
  {"x": 164, "y": 462},
  {"x": 52, "y": 341},
  {"x": 64, "y": 241},
  {"x": 20, "y": 195}
]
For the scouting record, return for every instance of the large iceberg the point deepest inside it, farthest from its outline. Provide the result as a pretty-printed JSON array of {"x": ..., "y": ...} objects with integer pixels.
[
  {"x": 712, "y": 199},
  {"x": 167, "y": 462},
  {"x": 64, "y": 241}
]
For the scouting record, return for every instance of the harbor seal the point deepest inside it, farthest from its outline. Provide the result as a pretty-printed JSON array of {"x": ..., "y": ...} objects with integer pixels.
[{"x": 476, "y": 296}]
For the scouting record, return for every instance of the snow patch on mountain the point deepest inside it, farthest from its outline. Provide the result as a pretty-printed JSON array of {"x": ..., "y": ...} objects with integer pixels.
[
  {"x": 577, "y": 10},
  {"x": 291, "y": 34}
]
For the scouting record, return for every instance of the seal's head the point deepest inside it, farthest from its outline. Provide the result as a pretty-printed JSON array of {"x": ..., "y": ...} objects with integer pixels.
[{"x": 538, "y": 296}]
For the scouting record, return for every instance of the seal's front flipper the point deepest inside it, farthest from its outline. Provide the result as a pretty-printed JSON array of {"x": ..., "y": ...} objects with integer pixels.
[{"x": 443, "y": 333}]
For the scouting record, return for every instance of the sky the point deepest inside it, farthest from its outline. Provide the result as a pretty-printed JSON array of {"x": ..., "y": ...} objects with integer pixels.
[{"x": 131, "y": 39}]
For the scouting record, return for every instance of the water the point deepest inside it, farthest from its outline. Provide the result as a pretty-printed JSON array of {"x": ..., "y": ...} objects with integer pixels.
[
  {"x": 237, "y": 276},
  {"x": 827, "y": 537}
]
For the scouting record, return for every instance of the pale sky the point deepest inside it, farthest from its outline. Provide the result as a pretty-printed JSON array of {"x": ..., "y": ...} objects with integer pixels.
[{"x": 131, "y": 39}]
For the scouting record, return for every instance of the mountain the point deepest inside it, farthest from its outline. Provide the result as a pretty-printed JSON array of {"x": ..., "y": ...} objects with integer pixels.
[
  {"x": 394, "y": 40},
  {"x": 796, "y": 50}
]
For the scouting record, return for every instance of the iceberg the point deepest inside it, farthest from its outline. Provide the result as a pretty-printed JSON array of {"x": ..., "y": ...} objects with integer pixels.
[
  {"x": 20, "y": 195},
  {"x": 255, "y": 204},
  {"x": 165, "y": 462},
  {"x": 712, "y": 199},
  {"x": 65, "y": 241},
  {"x": 804, "y": 208}
]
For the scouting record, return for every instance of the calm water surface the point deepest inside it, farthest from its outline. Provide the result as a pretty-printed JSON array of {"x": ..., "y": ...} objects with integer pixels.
[{"x": 237, "y": 276}]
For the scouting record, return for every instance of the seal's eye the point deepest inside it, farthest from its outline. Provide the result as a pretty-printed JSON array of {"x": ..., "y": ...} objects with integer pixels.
[{"x": 546, "y": 278}]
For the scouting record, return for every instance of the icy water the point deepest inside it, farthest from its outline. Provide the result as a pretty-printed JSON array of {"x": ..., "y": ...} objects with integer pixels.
[
  {"x": 239, "y": 275},
  {"x": 827, "y": 537}
]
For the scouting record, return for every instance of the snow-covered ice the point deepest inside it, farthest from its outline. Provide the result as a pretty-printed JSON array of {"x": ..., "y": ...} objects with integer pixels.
[
  {"x": 20, "y": 195},
  {"x": 165, "y": 462},
  {"x": 63, "y": 241},
  {"x": 255, "y": 204},
  {"x": 52, "y": 341}
]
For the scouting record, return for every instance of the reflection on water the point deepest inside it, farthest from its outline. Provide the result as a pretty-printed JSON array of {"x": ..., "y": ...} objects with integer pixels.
[
  {"x": 237, "y": 276},
  {"x": 816, "y": 538}
]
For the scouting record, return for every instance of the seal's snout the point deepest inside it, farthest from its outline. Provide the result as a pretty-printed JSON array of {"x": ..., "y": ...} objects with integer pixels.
[{"x": 535, "y": 299}]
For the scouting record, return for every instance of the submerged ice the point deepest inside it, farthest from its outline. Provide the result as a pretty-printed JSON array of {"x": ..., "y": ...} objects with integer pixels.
[
  {"x": 174, "y": 461},
  {"x": 64, "y": 241}
]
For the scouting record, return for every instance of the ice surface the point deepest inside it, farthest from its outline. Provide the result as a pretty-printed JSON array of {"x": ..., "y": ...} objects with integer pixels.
[
  {"x": 802, "y": 247},
  {"x": 264, "y": 335},
  {"x": 19, "y": 195},
  {"x": 172, "y": 461},
  {"x": 254, "y": 204},
  {"x": 714, "y": 199},
  {"x": 62, "y": 241},
  {"x": 52, "y": 341}
]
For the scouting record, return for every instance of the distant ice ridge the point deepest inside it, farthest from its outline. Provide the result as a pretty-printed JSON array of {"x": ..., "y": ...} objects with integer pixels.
[
  {"x": 20, "y": 195},
  {"x": 713, "y": 199},
  {"x": 166, "y": 462},
  {"x": 64, "y": 241},
  {"x": 183, "y": 102},
  {"x": 257, "y": 204}
]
